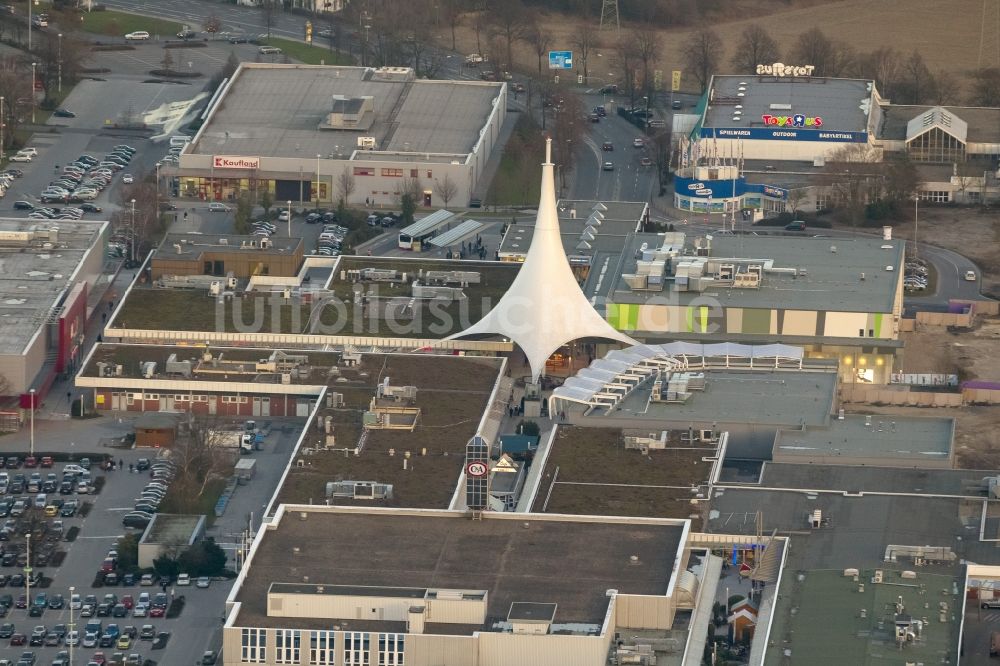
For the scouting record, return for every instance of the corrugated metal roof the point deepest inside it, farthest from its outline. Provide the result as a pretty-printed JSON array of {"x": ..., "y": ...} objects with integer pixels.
[
  {"x": 428, "y": 224},
  {"x": 458, "y": 234}
]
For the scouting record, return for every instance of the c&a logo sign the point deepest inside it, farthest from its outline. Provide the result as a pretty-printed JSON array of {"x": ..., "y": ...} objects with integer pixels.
[{"x": 798, "y": 120}]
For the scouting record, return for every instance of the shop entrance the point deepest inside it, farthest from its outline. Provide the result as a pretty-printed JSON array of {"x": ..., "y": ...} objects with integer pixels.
[{"x": 292, "y": 190}]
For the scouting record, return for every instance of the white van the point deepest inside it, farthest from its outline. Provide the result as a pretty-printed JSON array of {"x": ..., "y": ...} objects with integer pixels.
[
  {"x": 179, "y": 140},
  {"x": 41, "y": 500}
]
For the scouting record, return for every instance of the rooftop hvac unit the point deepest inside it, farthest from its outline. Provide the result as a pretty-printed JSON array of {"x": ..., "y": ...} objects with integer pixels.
[
  {"x": 215, "y": 288},
  {"x": 148, "y": 369},
  {"x": 366, "y": 142}
]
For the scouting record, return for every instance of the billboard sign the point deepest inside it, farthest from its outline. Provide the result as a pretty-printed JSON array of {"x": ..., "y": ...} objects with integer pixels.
[
  {"x": 696, "y": 186},
  {"x": 781, "y": 69},
  {"x": 477, "y": 468},
  {"x": 560, "y": 60},
  {"x": 675, "y": 80},
  {"x": 798, "y": 120},
  {"x": 235, "y": 162}
]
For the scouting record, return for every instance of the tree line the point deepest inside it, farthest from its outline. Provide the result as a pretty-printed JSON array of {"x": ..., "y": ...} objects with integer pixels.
[{"x": 903, "y": 78}]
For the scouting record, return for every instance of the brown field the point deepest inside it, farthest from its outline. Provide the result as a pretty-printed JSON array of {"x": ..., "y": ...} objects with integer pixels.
[
  {"x": 452, "y": 394},
  {"x": 597, "y": 455},
  {"x": 946, "y": 34}
]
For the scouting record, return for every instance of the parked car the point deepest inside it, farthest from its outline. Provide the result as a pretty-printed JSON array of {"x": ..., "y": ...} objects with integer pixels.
[
  {"x": 216, "y": 207},
  {"x": 269, "y": 50},
  {"x": 139, "y": 35}
]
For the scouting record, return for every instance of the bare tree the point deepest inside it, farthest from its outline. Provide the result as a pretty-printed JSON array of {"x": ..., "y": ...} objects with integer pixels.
[
  {"x": 13, "y": 80},
  {"x": 480, "y": 23},
  {"x": 509, "y": 22},
  {"x": 446, "y": 188},
  {"x": 268, "y": 14},
  {"x": 584, "y": 42},
  {"x": 854, "y": 176},
  {"x": 701, "y": 56},
  {"x": 199, "y": 459},
  {"x": 756, "y": 47},
  {"x": 814, "y": 48},
  {"x": 568, "y": 133},
  {"x": 946, "y": 89},
  {"x": 627, "y": 61},
  {"x": 900, "y": 181},
  {"x": 212, "y": 24},
  {"x": 662, "y": 142},
  {"x": 345, "y": 184},
  {"x": 453, "y": 16},
  {"x": 795, "y": 198},
  {"x": 967, "y": 175},
  {"x": 647, "y": 47},
  {"x": 882, "y": 66},
  {"x": 985, "y": 87},
  {"x": 917, "y": 80},
  {"x": 540, "y": 38},
  {"x": 167, "y": 63}
]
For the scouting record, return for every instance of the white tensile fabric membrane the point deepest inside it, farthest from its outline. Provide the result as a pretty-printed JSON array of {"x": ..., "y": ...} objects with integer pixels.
[{"x": 545, "y": 307}]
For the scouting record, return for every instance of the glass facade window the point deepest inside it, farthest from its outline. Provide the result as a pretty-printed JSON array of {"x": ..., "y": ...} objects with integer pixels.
[
  {"x": 357, "y": 649},
  {"x": 390, "y": 649},
  {"x": 936, "y": 145},
  {"x": 935, "y": 197},
  {"x": 322, "y": 650},
  {"x": 286, "y": 643},
  {"x": 253, "y": 646}
]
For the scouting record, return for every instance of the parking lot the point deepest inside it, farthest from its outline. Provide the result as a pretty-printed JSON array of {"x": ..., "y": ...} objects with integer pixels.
[{"x": 198, "y": 628}]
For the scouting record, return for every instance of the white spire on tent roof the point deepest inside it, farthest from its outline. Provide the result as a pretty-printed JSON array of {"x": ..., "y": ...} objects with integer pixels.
[{"x": 545, "y": 307}]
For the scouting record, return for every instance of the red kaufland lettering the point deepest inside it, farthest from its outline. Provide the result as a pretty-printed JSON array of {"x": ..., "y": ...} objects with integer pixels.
[{"x": 224, "y": 162}]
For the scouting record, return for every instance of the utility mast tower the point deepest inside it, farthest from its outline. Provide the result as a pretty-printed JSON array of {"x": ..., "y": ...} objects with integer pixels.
[
  {"x": 989, "y": 35},
  {"x": 609, "y": 15}
]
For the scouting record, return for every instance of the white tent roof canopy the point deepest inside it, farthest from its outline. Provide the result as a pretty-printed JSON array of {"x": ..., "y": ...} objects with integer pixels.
[{"x": 544, "y": 308}]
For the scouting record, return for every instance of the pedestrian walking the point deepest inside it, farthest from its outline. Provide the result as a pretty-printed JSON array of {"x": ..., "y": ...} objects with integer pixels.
[
  {"x": 121, "y": 463},
  {"x": 131, "y": 468}
]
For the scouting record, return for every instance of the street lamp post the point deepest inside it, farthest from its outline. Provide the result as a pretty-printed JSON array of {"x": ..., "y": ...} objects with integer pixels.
[
  {"x": 60, "y": 62},
  {"x": 27, "y": 570},
  {"x": 157, "y": 186},
  {"x": 2, "y": 123},
  {"x": 31, "y": 394},
  {"x": 33, "y": 65},
  {"x": 317, "y": 181},
  {"x": 29, "y": 26},
  {"x": 289, "y": 219},
  {"x": 132, "y": 235},
  {"x": 72, "y": 626},
  {"x": 916, "y": 221}
]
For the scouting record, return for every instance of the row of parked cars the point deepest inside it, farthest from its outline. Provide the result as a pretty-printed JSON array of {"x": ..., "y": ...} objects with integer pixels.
[
  {"x": 85, "y": 178},
  {"x": 331, "y": 240},
  {"x": 148, "y": 502},
  {"x": 73, "y": 480}
]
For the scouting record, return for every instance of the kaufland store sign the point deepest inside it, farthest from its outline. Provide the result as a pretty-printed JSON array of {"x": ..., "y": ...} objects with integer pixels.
[{"x": 233, "y": 162}]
